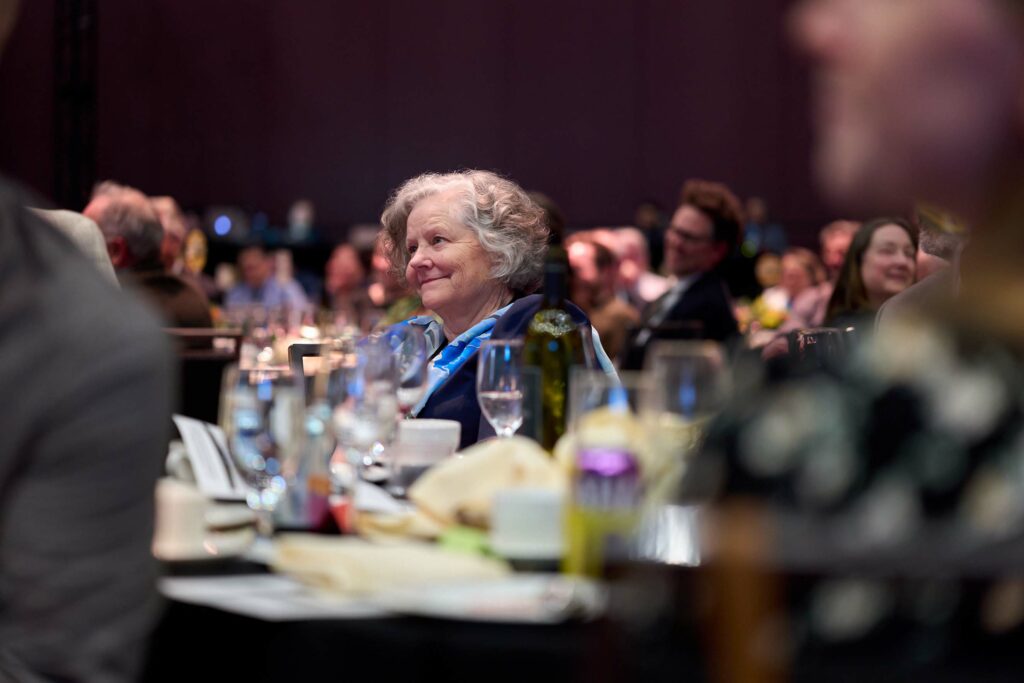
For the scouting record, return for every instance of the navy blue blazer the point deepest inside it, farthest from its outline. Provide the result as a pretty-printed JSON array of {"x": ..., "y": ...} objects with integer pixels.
[
  {"x": 455, "y": 399},
  {"x": 706, "y": 301}
]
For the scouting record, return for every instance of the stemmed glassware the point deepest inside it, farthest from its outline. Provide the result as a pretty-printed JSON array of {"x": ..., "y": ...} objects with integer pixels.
[
  {"x": 411, "y": 363},
  {"x": 262, "y": 418},
  {"x": 687, "y": 385},
  {"x": 499, "y": 384},
  {"x": 365, "y": 421}
]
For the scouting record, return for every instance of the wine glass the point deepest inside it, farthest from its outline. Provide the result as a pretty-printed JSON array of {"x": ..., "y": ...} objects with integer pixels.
[
  {"x": 499, "y": 384},
  {"x": 262, "y": 417},
  {"x": 687, "y": 384},
  {"x": 365, "y": 421},
  {"x": 411, "y": 363}
]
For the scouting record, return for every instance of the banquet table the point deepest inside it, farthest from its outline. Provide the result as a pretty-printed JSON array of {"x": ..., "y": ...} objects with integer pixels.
[{"x": 209, "y": 642}]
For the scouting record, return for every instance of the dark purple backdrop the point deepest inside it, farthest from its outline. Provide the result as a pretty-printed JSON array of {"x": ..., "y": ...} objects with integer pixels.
[{"x": 258, "y": 103}]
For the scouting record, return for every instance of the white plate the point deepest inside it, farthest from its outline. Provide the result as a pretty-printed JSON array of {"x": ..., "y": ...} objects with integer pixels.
[{"x": 524, "y": 599}]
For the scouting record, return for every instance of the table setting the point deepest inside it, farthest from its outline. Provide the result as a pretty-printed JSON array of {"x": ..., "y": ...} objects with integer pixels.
[{"x": 316, "y": 502}]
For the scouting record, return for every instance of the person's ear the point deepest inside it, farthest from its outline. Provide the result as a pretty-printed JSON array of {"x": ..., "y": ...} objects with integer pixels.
[{"x": 118, "y": 250}]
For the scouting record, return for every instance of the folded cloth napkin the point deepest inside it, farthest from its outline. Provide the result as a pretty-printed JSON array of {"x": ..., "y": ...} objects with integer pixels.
[
  {"x": 461, "y": 490},
  {"x": 354, "y": 566}
]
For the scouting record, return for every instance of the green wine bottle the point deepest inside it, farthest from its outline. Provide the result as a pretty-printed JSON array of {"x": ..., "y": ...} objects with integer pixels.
[{"x": 551, "y": 346}]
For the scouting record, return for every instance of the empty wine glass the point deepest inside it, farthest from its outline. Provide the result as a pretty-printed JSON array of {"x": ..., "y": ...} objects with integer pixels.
[
  {"x": 499, "y": 384},
  {"x": 262, "y": 418},
  {"x": 411, "y": 363},
  {"x": 365, "y": 420},
  {"x": 687, "y": 386}
]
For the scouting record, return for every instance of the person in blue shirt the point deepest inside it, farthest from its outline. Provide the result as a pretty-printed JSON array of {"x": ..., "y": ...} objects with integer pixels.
[{"x": 259, "y": 287}]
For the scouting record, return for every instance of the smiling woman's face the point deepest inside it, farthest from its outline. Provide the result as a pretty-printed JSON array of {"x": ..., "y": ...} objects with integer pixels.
[{"x": 447, "y": 266}]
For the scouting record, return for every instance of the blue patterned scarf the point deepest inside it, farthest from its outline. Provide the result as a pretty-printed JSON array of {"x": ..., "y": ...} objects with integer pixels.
[{"x": 453, "y": 356}]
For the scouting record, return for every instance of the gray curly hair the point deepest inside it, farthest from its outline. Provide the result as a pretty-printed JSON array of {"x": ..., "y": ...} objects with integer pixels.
[{"x": 510, "y": 226}]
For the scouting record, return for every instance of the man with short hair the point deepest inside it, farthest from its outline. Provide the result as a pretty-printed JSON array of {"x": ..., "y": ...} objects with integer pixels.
[
  {"x": 134, "y": 236},
  {"x": 595, "y": 272},
  {"x": 703, "y": 231}
]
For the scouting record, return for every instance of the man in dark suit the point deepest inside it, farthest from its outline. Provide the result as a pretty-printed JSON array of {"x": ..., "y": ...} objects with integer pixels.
[{"x": 702, "y": 233}]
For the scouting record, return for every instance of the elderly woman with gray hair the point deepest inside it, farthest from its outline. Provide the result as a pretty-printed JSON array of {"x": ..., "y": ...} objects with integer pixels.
[{"x": 472, "y": 245}]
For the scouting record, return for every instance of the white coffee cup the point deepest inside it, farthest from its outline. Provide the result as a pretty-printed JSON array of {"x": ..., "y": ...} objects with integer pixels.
[
  {"x": 421, "y": 444},
  {"x": 527, "y": 524},
  {"x": 180, "y": 531}
]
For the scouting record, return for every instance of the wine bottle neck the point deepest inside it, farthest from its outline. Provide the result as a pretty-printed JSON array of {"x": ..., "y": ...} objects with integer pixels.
[{"x": 555, "y": 276}]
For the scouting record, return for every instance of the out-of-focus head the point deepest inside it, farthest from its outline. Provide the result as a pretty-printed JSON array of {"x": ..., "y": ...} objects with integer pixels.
[
  {"x": 649, "y": 215},
  {"x": 129, "y": 223},
  {"x": 879, "y": 264},
  {"x": 633, "y": 254},
  {"x": 757, "y": 210},
  {"x": 768, "y": 269},
  {"x": 255, "y": 266},
  {"x": 913, "y": 98},
  {"x": 801, "y": 270},
  {"x": 594, "y": 270},
  {"x": 344, "y": 271},
  {"x": 704, "y": 229},
  {"x": 175, "y": 229},
  {"x": 553, "y": 215},
  {"x": 835, "y": 240}
]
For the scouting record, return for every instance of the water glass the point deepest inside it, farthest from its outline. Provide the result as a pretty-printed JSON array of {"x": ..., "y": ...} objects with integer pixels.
[
  {"x": 365, "y": 420},
  {"x": 499, "y": 386},
  {"x": 411, "y": 363},
  {"x": 262, "y": 417}
]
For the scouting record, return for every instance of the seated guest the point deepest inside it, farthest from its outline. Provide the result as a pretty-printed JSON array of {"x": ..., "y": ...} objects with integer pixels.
[
  {"x": 472, "y": 246},
  {"x": 701, "y": 234},
  {"x": 389, "y": 292},
  {"x": 173, "y": 248},
  {"x": 594, "y": 275},
  {"x": 86, "y": 385},
  {"x": 86, "y": 235},
  {"x": 134, "y": 237},
  {"x": 259, "y": 287},
  {"x": 808, "y": 308},
  {"x": 800, "y": 271},
  {"x": 940, "y": 240},
  {"x": 345, "y": 286},
  {"x": 880, "y": 263},
  {"x": 637, "y": 284}
]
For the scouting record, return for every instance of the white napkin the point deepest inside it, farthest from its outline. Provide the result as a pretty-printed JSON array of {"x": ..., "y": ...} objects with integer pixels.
[{"x": 355, "y": 566}]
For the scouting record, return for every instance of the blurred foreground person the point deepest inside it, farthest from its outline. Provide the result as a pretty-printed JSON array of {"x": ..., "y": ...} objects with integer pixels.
[
  {"x": 898, "y": 473},
  {"x": 85, "y": 433},
  {"x": 84, "y": 232}
]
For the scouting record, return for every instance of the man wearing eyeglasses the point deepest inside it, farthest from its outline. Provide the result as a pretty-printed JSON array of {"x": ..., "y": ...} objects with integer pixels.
[{"x": 702, "y": 233}]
